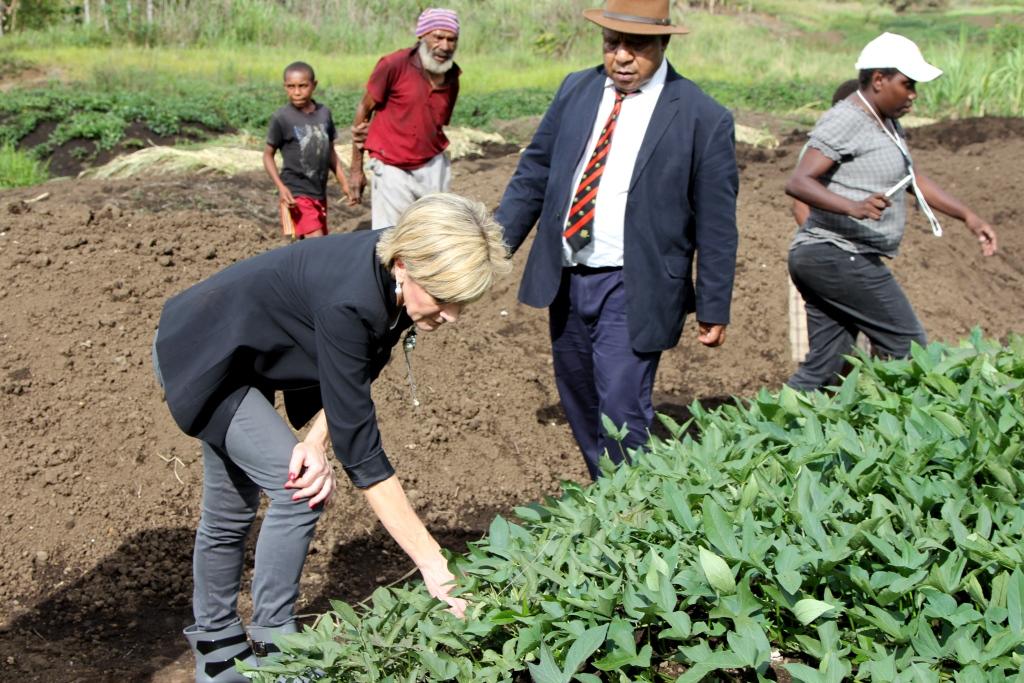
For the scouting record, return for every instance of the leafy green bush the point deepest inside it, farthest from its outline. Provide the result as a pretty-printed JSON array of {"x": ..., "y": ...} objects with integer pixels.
[
  {"x": 875, "y": 534},
  {"x": 102, "y": 114},
  {"x": 18, "y": 169}
]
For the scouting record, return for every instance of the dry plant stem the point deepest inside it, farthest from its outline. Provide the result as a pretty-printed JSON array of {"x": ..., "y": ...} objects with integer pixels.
[{"x": 174, "y": 468}]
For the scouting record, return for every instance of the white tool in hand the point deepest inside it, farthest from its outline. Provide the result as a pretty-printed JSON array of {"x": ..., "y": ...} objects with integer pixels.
[{"x": 899, "y": 186}]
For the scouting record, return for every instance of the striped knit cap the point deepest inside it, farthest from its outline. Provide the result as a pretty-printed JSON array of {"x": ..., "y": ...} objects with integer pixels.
[{"x": 435, "y": 18}]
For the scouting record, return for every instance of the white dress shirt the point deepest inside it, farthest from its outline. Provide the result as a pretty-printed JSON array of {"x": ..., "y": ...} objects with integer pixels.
[{"x": 605, "y": 248}]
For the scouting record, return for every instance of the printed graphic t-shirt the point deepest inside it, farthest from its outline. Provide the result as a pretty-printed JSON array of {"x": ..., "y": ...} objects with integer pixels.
[{"x": 305, "y": 142}]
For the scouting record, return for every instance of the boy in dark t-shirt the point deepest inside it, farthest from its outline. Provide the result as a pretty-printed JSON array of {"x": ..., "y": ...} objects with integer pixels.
[{"x": 304, "y": 131}]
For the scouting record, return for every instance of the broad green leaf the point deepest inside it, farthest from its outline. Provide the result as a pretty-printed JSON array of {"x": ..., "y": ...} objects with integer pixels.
[
  {"x": 440, "y": 667},
  {"x": 750, "y": 491},
  {"x": 886, "y": 622},
  {"x": 1001, "y": 643},
  {"x": 656, "y": 568},
  {"x": 713, "y": 662},
  {"x": 680, "y": 626},
  {"x": 498, "y": 536},
  {"x": 346, "y": 612},
  {"x": 675, "y": 501},
  {"x": 614, "y": 432},
  {"x": 546, "y": 671},
  {"x": 790, "y": 581},
  {"x": 789, "y": 400},
  {"x": 718, "y": 526},
  {"x": 924, "y": 641},
  {"x": 1015, "y": 601},
  {"x": 583, "y": 647},
  {"x": 949, "y": 422},
  {"x": 717, "y": 572},
  {"x": 805, "y": 674},
  {"x": 809, "y": 609},
  {"x": 750, "y": 643}
]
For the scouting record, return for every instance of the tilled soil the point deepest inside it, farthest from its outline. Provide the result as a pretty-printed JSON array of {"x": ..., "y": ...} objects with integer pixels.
[{"x": 103, "y": 490}]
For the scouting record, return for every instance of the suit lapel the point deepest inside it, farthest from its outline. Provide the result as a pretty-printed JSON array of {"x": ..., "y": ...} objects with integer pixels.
[
  {"x": 664, "y": 111},
  {"x": 580, "y": 115}
]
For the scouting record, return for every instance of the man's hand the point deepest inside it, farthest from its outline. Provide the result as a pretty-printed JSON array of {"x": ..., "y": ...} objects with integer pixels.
[
  {"x": 311, "y": 473},
  {"x": 985, "y": 234},
  {"x": 439, "y": 582},
  {"x": 356, "y": 184},
  {"x": 871, "y": 207},
  {"x": 710, "y": 334}
]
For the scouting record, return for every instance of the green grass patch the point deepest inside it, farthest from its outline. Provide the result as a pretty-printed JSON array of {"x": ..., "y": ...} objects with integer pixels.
[
  {"x": 18, "y": 169},
  {"x": 783, "y": 58},
  {"x": 872, "y": 534},
  {"x": 103, "y": 116}
]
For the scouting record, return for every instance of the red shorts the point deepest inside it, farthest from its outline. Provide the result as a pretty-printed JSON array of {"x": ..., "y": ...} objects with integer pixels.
[{"x": 309, "y": 215}]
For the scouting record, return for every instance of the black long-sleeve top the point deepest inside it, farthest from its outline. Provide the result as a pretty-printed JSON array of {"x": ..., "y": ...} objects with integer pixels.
[{"x": 315, "y": 320}]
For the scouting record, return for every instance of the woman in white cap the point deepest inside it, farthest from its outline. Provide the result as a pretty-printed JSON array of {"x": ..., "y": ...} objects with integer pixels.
[{"x": 855, "y": 176}]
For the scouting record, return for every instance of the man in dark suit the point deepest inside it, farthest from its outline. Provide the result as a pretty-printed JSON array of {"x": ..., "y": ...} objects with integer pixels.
[{"x": 630, "y": 175}]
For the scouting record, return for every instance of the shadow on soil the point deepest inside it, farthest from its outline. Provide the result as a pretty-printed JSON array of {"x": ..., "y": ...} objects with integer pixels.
[
  {"x": 668, "y": 404},
  {"x": 132, "y": 606}
]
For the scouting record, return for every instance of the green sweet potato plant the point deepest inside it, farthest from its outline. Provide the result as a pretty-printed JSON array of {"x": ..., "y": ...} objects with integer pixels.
[{"x": 874, "y": 533}]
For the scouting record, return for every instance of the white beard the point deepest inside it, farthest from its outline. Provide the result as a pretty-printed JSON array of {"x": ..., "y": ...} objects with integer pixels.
[{"x": 427, "y": 60}]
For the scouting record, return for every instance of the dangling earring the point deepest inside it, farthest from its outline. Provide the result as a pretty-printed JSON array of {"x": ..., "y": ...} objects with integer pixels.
[{"x": 398, "y": 288}]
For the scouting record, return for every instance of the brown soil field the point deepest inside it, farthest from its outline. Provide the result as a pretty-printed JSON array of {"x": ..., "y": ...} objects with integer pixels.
[{"x": 103, "y": 490}]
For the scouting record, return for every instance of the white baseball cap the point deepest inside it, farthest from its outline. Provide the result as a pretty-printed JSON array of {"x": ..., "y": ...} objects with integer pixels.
[{"x": 893, "y": 51}]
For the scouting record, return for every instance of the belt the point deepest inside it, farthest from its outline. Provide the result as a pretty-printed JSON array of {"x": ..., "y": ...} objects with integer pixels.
[{"x": 580, "y": 269}]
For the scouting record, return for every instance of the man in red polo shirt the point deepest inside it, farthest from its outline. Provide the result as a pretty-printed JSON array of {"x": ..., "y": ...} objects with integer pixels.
[{"x": 410, "y": 97}]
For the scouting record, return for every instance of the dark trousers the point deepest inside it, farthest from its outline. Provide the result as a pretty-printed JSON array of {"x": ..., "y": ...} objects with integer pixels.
[
  {"x": 846, "y": 293},
  {"x": 596, "y": 370}
]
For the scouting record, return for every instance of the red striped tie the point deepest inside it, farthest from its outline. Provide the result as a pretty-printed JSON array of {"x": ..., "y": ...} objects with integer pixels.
[{"x": 581, "y": 215}]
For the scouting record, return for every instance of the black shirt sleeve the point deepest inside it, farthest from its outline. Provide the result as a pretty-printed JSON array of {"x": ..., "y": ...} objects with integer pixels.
[
  {"x": 345, "y": 361},
  {"x": 332, "y": 132},
  {"x": 275, "y": 138}
]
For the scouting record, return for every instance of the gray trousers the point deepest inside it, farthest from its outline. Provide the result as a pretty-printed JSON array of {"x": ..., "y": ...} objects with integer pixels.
[
  {"x": 393, "y": 189},
  {"x": 846, "y": 293},
  {"x": 258, "y": 449}
]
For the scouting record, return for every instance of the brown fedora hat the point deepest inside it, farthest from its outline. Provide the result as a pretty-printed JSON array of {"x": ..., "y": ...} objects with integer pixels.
[{"x": 642, "y": 17}]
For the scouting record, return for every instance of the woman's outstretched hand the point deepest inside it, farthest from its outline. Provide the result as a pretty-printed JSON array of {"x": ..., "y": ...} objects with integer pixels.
[
  {"x": 439, "y": 582},
  {"x": 311, "y": 473}
]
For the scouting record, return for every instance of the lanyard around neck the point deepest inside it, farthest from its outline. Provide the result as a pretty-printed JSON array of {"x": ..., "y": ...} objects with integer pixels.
[{"x": 932, "y": 220}]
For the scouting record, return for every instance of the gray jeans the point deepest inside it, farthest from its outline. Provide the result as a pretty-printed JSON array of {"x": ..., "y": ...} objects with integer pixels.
[
  {"x": 258, "y": 449},
  {"x": 393, "y": 189},
  {"x": 846, "y": 293}
]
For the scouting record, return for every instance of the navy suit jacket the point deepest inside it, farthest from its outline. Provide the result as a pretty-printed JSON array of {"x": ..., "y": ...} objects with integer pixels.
[{"x": 681, "y": 204}]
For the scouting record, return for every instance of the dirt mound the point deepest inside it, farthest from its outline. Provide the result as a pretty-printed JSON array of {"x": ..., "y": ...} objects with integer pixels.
[
  {"x": 71, "y": 157},
  {"x": 954, "y": 135},
  {"x": 104, "y": 490}
]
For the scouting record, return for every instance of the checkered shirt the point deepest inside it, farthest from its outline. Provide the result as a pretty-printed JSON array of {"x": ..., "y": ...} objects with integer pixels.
[{"x": 867, "y": 162}]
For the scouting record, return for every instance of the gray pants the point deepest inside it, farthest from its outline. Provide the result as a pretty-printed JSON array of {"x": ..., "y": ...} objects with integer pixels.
[
  {"x": 394, "y": 189},
  {"x": 846, "y": 293},
  {"x": 258, "y": 449}
]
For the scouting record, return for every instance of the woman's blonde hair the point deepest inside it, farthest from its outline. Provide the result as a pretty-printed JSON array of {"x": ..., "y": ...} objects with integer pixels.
[{"x": 450, "y": 245}]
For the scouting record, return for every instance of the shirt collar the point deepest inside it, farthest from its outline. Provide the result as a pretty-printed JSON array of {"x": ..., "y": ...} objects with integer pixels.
[{"x": 652, "y": 86}]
